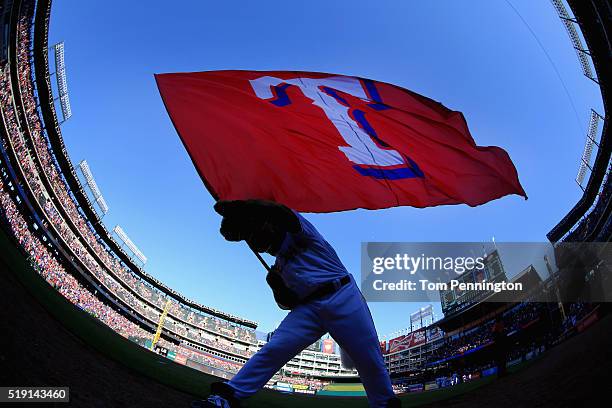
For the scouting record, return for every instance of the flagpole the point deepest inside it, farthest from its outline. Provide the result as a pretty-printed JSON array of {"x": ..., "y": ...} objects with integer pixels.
[{"x": 263, "y": 261}]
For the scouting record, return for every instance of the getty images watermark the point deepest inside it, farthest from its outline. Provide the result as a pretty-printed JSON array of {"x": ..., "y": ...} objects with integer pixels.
[{"x": 469, "y": 272}]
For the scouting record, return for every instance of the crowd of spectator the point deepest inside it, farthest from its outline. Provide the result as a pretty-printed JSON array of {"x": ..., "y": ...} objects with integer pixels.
[
  {"x": 37, "y": 188},
  {"x": 399, "y": 388},
  {"x": 522, "y": 315},
  {"x": 463, "y": 342},
  {"x": 54, "y": 273},
  {"x": 210, "y": 360},
  {"x": 313, "y": 384},
  {"x": 86, "y": 247},
  {"x": 574, "y": 313},
  {"x": 514, "y": 319},
  {"x": 47, "y": 265}
]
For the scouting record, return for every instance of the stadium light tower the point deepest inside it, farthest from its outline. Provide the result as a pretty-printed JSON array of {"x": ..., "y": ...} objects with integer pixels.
[
  {"x": 93, "y": 186},
  {"x": 128, "y": 242},
  {"x": 420, "y": 315},
  {"x": 587, "y": 154},
  {"x": 62, "y": 84},
  {"x": 581, "y": 51}
]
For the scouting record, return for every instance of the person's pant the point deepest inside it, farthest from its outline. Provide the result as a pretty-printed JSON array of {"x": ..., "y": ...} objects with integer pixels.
[{"x": 345, "y": 315}]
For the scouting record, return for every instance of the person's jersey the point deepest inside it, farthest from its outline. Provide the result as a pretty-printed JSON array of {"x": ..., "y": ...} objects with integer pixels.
[{"x": 306, "y": 260}]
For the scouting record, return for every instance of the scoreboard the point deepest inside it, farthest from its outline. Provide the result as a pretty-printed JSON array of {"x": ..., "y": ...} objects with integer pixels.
[{"x": 455, "y": 300}]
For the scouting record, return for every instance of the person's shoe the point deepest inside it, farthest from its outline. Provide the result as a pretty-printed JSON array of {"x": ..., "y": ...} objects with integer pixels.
[
  {"x": 212, "y": 401},
  {"x": 221, "y": 396}
]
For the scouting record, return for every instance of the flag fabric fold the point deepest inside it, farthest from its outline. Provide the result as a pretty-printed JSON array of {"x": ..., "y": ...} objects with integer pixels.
[{"x": 322, "y": 142}]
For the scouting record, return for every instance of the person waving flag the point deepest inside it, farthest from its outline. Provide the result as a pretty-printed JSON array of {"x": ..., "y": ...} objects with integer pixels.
[{"x": 271, "y": 144}]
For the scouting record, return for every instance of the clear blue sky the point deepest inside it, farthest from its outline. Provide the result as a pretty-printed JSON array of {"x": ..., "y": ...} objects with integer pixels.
[{"x": 475, "y": 56}]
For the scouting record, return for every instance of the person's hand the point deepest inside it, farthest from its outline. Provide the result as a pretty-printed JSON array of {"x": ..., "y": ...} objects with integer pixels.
[
  {"x": 230, "y": 208},
  {"x": 258, "y": 212},
  {"x": 234, "y": 229},
  {"x": 262, "y": 224}
]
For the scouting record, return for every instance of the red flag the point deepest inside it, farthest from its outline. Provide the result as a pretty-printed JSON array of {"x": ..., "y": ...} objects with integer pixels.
[{"x": 321, "y": 142}]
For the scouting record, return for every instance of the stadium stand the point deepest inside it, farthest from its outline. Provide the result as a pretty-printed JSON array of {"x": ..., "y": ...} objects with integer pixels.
[
  {"x": 60, "y": 220},
  {"x": 300, "y": 383},
  {"x": 468, "y": 348},
  {"x": 595, "y": 226},
  {"x": 593, "y": 17}
]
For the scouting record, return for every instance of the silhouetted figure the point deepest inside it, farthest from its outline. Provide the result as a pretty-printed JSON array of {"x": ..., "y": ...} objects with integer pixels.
[
  {"x": 500, "y": 345},
  {"x": 309, "y": 279}
]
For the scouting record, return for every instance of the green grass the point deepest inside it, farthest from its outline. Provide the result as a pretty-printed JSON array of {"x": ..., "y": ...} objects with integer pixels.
[{"x": 160, "y": 369}]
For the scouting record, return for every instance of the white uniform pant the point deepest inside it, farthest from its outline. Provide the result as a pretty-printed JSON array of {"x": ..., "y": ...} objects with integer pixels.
[{"x": 346, "y": 316}]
